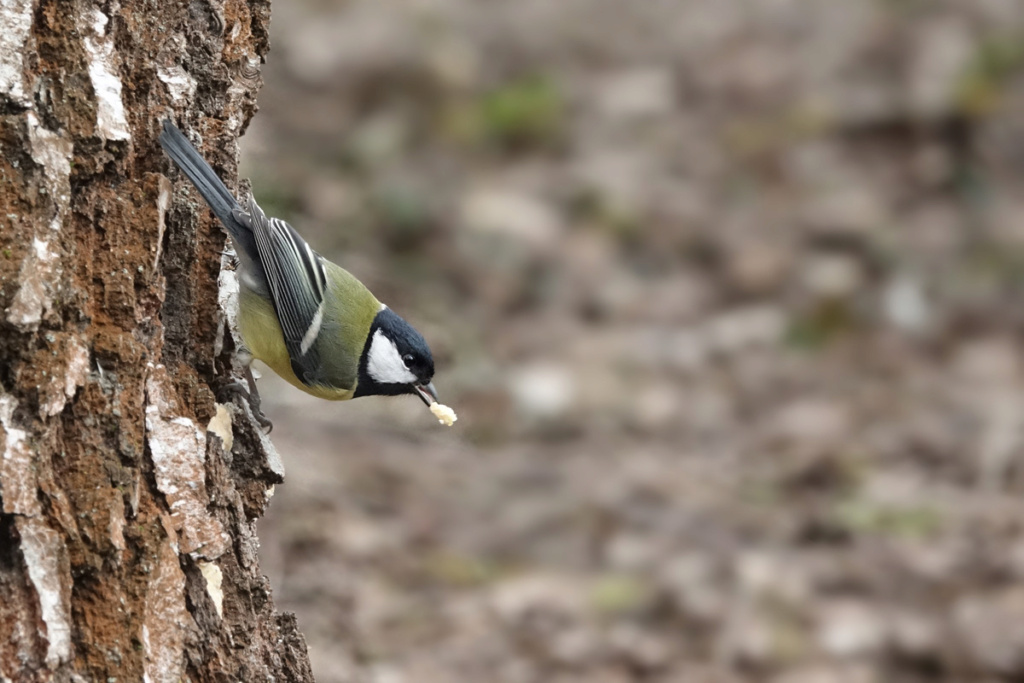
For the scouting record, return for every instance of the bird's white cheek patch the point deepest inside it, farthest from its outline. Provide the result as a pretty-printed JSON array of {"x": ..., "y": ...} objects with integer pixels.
[{"x": 384, "y": 364}]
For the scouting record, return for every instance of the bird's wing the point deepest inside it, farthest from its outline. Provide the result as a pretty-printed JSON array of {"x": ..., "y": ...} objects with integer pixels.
[{"x": 298, "y": 285}]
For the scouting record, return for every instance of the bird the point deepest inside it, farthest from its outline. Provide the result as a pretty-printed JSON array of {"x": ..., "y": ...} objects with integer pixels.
[{"x": 308, "y": 319}]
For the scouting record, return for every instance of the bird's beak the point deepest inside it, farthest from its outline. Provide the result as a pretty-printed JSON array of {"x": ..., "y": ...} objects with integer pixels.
[{"x": 427, "y": 392}]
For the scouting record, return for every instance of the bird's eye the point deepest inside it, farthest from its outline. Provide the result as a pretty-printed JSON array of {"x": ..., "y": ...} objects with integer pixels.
[{"x": 407, "y": 358}]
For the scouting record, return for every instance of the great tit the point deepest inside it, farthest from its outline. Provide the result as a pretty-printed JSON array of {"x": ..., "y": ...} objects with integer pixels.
[{"x": 311, "y": 321}]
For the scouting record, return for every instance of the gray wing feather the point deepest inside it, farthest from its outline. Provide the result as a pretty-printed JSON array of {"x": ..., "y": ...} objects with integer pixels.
[{"x": 298, "y": 283}]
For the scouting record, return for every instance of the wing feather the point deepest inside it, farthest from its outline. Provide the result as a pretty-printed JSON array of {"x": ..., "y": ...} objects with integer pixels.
[{"x": 298, "y": 283}]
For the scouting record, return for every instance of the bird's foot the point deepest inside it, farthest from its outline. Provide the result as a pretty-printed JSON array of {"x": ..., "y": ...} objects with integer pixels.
[{"x": 253, "y": 397}]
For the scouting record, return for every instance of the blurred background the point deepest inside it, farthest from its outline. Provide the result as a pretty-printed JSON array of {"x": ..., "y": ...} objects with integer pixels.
[{"x": 729, "y": 298}]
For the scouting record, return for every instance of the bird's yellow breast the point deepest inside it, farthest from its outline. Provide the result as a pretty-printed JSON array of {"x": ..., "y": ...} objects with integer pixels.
[{"x": 261, "y": 332}]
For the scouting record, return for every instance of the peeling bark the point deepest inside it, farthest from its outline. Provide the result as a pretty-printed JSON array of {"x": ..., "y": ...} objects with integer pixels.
[{"x": 128, "y": 494}]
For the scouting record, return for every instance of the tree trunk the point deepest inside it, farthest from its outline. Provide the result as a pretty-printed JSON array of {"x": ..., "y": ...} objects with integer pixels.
[{"x": 127, "y": 544}]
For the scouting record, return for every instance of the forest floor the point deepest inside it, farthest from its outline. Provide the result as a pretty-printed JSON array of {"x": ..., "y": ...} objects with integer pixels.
[{"x": 729, "y": 299}]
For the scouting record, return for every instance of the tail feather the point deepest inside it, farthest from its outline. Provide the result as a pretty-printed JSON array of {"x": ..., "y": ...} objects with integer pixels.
[{"x": 214, "y": 191}]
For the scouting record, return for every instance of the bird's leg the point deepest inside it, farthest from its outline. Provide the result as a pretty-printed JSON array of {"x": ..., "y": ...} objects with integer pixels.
[
  {"x": 255, "y": 400},
  {"x": 253, "y": 397}
]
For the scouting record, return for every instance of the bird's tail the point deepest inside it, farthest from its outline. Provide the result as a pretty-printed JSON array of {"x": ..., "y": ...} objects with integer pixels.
[{"x": 214, "y": 191}]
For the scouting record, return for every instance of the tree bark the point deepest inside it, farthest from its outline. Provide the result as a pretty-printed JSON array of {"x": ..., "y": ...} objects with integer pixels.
[{"x": 129, "y": 493}]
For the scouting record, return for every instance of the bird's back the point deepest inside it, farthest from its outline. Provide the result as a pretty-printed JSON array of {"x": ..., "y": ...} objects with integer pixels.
[{"x": 348, "y": 325}]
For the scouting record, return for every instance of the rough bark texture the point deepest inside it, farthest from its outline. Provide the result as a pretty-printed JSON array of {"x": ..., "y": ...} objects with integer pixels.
[{"x": 127, "y": 544}]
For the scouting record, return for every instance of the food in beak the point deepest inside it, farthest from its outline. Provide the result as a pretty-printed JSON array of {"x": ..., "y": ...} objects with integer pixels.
[{"x": 443, "y": 413}]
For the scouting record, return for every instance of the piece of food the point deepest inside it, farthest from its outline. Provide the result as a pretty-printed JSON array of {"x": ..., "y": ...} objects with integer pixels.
[{"x": 443, "y": 413}]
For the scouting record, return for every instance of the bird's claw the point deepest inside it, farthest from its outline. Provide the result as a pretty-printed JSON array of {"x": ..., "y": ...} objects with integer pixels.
[{"x": 252, "y": 396}]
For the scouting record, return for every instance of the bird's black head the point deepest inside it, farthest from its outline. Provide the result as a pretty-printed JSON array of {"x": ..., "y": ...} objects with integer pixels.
[{"x": 396, "y": 360}]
